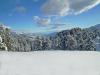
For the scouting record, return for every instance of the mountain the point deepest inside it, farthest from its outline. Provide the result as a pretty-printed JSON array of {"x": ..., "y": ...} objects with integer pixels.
[
  {"x": 73, "y": 39},
  {"x": 95, "y": 27}
]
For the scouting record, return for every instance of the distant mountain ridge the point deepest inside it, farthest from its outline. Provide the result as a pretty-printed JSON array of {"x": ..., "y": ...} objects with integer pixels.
[{"x": 95, "y": 27}]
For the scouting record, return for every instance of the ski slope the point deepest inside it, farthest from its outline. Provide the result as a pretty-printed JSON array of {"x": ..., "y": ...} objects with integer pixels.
[{"x": 50, "y": 63}]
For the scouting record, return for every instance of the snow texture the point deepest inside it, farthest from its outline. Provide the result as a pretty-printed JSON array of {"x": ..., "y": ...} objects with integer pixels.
[{"x": 50, "y": 63}]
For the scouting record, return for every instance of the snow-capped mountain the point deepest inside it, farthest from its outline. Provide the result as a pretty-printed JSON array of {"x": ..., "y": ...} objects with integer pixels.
[
  {"x": 74, "y": 39},
  {"x": 95, "y": 27}
]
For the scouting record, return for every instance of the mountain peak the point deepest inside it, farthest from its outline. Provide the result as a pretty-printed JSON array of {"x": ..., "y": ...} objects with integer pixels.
[{"x": 4, "y": 26}]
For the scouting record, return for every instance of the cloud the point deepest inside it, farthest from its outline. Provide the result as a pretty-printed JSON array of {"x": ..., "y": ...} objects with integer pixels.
[
  {"x": 17, "y": 1},
  {"x": 35, "y": 0},
  {"x": 20, "y": 9},
  {"x": 67, "y": 7},
  {"x": 42, "y": 21},
  {"x": 56, "y": 28},
  {"x": 60, "y": 27}
]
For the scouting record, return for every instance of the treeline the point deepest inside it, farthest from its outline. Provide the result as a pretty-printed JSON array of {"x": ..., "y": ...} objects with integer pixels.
[
  {"x": 74, "y": 39},
  {"x": 5, "y": 39}
]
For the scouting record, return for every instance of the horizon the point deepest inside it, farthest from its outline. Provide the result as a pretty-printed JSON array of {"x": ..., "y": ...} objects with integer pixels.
[{"x": 34, "y": 16}]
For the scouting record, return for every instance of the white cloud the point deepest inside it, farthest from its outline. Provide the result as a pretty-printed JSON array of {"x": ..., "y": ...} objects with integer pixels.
[
  {"x": 60, "y": 27},
  {"x": 67, "y": 7},
  {"x": 42, "y": 21},
  {"x": 54, "y": 28},
  {"x": 20, "y": 9},
  {"x": 35, "y": 0}
]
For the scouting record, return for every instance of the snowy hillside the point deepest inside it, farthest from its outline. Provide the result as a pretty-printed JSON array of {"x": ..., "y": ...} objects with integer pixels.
[{"x": 50, "y": 63}]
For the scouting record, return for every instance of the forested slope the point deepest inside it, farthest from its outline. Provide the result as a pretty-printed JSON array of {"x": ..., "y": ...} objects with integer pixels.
[{"x": 74, "y": 39}]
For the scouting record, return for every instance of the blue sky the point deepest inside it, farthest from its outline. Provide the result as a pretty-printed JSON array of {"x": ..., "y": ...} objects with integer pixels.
[{"x": 49, "y": 15}]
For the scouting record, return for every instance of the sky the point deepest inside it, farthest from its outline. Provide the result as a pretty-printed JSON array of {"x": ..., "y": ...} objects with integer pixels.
[{"x": 35, "y": 16}]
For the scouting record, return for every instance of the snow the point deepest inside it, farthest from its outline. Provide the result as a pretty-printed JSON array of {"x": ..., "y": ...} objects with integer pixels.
[
  {"x": 97, "y": 43},
  {"x": 98, "y": 46},
  {"x": 50, "y": 63}
]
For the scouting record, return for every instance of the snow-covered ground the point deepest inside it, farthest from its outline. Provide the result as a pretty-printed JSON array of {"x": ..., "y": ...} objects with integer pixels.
[{"x": 50, "y": 63}]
